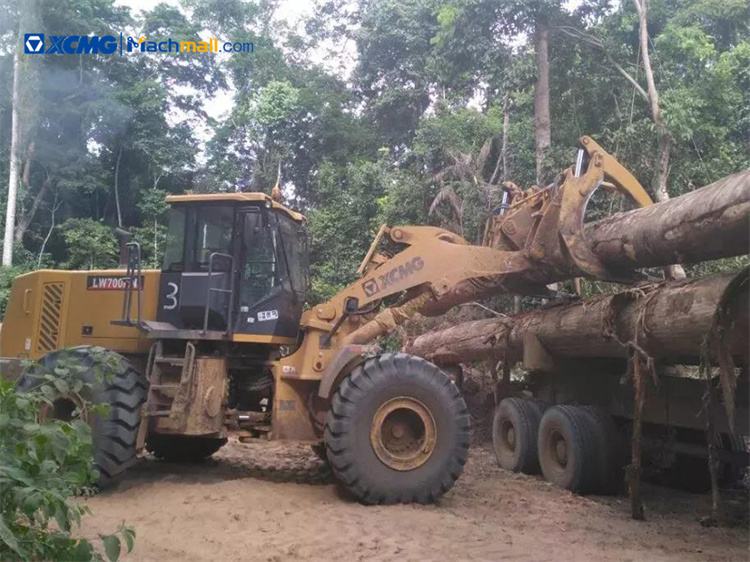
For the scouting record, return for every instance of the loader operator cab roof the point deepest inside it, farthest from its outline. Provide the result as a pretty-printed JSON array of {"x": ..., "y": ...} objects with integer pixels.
[
  {"x": 239, "y": 197},
  {"x": 234, "y": 263}
]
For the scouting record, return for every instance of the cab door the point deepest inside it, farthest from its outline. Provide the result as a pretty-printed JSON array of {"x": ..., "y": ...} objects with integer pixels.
[{"x": 267, "y": 302}]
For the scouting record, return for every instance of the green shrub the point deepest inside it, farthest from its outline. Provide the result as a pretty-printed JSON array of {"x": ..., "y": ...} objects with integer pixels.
[{"x": 43, "y": 464}]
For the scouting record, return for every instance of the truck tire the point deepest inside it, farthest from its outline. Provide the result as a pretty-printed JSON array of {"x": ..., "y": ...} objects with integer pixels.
[
  {"x": 567, "y": 448},
  {"x": 514, "y": 435},
  {"x": 610, "y": 460},
  {"x": 114, "y": 435},
  {"x": 183, "y": 448},
  {"x": 397, "y": 431}
]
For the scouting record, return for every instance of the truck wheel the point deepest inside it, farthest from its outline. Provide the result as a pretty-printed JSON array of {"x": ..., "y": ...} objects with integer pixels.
[
  {"x": 567, "y": 449},
  {"x": 397, "y": 431},
  {"x": 183, "y": 448},
  {"x": 609, "y": 461},
  {"x": 124, "y": 389},
  {"x": 514, "y": 435}
]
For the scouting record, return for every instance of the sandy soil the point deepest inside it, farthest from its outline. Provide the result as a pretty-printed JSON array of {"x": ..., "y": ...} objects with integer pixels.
[{"x": 270, "y": 503}]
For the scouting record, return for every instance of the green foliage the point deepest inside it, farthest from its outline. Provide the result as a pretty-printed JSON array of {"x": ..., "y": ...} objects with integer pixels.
[
  {"x": 91, "y": 244},
  {"x": 44, "y": 463},
  {"x": 341, "y": 231},
  {"x": 7, "y": 275}
]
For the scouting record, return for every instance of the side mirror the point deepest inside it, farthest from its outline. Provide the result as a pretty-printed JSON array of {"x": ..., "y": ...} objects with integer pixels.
[
  {"x": 351, "y": 305},
  {"x": 253, "y": 223}
]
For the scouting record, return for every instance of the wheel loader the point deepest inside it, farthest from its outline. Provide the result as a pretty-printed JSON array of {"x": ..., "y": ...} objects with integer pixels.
[{"x": 219, "y": 339}]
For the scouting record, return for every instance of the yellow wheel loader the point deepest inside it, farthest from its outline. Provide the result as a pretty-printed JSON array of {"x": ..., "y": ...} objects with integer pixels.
[{"x": 218, "y": 340}]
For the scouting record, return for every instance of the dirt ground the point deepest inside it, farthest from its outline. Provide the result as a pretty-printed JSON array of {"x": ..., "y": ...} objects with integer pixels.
[{"x": 271, "y": 503}]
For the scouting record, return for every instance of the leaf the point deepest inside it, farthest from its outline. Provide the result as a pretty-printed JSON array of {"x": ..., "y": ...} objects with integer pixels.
[
  {"x": 111, "y": 547},
  {"x": 61, "y": 516},
  {"x": 62, "y": 386},
  {"x": 128, "y": 533},
  {"x": 7, "y": 536}
]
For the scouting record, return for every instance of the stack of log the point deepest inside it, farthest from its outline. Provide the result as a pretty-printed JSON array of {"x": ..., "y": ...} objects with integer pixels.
[{"x": 687, "y": 321}]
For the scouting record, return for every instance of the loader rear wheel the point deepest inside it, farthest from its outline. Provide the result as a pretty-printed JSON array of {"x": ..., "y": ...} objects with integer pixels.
[
  {"x": 567, "y": 448},
  {"x": 123, "y": 388},
  {"x": 183, "y": 448},
  {"x": 514, "y": 435},
  {"x": 397, "y": 431}
]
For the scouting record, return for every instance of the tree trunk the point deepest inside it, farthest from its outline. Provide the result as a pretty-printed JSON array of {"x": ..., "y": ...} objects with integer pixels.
[
  {"x": 663, "y": 138},
  {"x": 541, "y": 98},
  {"x": 678, "y": 316},
  {"x": 10, "y": 212},
  {"x": 25, "y": 221},
  {"x": 506, "y": 132},
  {"x": 117, "y": 188}
]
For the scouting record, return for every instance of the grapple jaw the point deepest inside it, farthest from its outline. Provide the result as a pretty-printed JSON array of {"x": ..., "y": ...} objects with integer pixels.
[{"x": 546, "y": 224}]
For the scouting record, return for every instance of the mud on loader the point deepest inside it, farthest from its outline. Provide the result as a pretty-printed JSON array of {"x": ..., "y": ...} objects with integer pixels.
[{"x": 218, "y": 340}]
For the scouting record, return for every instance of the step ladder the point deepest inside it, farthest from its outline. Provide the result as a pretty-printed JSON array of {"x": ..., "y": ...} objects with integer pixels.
[{"x": 170, "y": 379}]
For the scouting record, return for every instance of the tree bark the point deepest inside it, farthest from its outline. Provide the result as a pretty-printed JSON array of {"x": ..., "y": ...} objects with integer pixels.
[
  {"x": 667, "y": 320},
  {"x": 706, "y": 224},
  {"x": 10, "y": 211},
  {"x": 664, "y": 140},
  {"x": 541, "y": 98}
]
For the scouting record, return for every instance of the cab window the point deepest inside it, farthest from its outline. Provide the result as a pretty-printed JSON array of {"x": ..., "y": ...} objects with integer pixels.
[
  {"x": 174, "y": 254},
  {"x": 213, "y": 234},
  {"x": 294, "y": 239},
  {"x": 259, "y": 273}
]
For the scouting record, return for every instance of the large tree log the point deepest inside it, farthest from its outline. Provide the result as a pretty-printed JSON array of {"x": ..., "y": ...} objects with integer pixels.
[
  {"x": 667, "y": 320},
  {"x": 706, "y": 224}
]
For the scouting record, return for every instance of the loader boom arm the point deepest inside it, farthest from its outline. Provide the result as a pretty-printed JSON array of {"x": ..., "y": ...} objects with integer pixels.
[{"x": 538, "y": 241}]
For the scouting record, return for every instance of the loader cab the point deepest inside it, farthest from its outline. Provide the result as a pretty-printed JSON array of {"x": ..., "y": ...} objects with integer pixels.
[{"x": 235, "y": 265}]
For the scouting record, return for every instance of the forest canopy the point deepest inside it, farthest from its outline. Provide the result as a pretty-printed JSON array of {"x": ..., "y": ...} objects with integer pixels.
[{"x": 370, "y": 111}]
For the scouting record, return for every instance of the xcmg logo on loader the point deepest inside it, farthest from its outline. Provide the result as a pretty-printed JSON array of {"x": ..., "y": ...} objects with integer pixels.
[{"x": 398, "y": 273}]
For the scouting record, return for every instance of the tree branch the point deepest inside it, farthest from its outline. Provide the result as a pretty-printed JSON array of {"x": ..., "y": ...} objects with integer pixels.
[{"x": 596, "y": 42}]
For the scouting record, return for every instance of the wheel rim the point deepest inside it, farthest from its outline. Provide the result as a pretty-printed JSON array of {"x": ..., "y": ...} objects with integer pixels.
[
  {"x": 403, "y": 433},
  {"x": 62, "y": 409},
  {"x": 558, "y": 450},
  {"x": 508, "y": 435}
]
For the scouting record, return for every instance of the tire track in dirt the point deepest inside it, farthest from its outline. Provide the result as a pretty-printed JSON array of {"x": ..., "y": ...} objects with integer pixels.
[{"x": 268, "y": 502}]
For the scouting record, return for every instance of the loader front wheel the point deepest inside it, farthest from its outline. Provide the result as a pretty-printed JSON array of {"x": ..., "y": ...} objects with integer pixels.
[
  {"x": 109, "y": 379},
  {"x": 397, "y": 431}
]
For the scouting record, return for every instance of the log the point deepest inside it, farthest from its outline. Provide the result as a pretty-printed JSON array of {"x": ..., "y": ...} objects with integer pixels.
[
  {"x": 668, "y": 320},
  {"x": 706, "y": 224}
]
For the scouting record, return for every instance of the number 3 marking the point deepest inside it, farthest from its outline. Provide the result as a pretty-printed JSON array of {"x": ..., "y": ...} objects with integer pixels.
[{"x": 171, "y": 297}]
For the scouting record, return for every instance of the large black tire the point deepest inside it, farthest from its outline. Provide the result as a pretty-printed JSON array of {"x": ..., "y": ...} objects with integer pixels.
[
  {"x": 397, "y": 431},
  {"x": 514, "y": 435},
  {"x": 611, "y": 458},
  {"x": 114, "y": 435},
  {"x": 567, "y": 449},
  {"x": 183, "y": 448}
]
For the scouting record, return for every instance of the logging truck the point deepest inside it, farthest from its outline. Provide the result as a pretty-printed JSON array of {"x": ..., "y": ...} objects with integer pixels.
[{"x": 219, "y": 340}]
